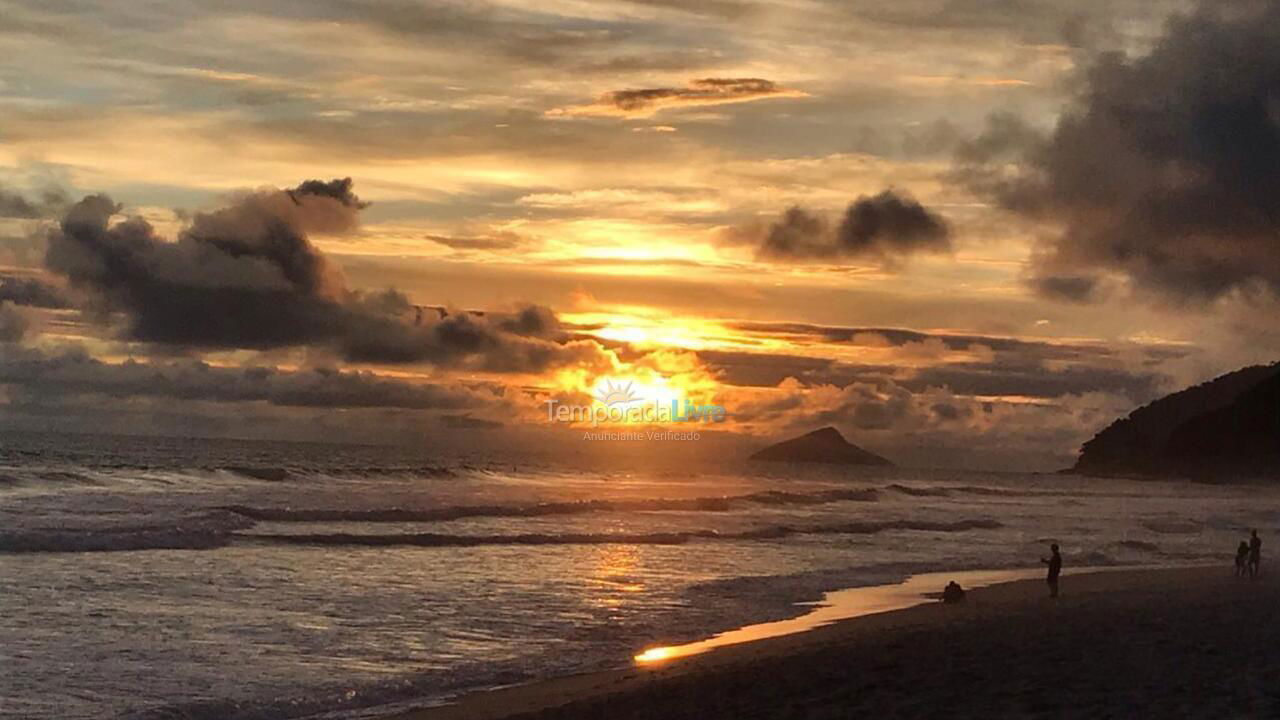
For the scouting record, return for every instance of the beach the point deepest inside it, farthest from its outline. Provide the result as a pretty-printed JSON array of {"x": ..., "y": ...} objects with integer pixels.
[
  {"x": 1184, "y": 642},
  {"x": 246, "y": 580}
]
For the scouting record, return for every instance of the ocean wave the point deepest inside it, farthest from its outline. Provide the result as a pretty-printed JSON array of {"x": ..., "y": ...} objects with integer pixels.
[
  {"x": 202, "y": 532},
  {"x": 75, "y": 542},
  {"x": 1173, "y": 527},
  {"x": 270, "y": 474},
  {"x": 980, "y": 490},
  {"x": 914, "y": 491},
  {"x": 413, "y": 470},
  {"x": 581, "y": 507},
  {"x": 445, "y": 540},
  {"x": 458, "y": 512},
  {"x": 66, "y": 476},
  {"x": 782, "y": 497},
  {"x": 771, "y": 532}
]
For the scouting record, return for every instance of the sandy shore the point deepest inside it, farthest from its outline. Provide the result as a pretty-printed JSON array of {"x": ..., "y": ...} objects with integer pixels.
[{"x": 1151, "y": 643}]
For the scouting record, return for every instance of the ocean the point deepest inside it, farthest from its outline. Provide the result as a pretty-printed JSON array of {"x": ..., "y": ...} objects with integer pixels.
[{"x": 178, "y": 578}]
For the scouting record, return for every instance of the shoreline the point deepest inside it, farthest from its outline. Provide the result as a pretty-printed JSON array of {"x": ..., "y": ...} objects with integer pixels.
[
  {"x": 1011, "y": 608},
  {"x": 846, "y": 604}
]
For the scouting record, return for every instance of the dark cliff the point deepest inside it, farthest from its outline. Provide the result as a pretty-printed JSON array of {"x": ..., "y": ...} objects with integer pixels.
[{"x": 1224, "y": 427}]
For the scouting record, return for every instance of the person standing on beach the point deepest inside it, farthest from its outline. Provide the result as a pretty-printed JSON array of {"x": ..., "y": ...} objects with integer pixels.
[
  {"x": 1255, "y": 554},
  {"x": 1055, "y": 569},
  {"x": 1242, "y": 559}
]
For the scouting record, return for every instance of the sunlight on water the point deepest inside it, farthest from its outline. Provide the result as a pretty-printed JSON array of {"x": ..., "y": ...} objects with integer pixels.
[{"x": 841, "y": 605}]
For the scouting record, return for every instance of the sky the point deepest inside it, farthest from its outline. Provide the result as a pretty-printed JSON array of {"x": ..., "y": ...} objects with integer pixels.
[{"x": 967, "y": 233}]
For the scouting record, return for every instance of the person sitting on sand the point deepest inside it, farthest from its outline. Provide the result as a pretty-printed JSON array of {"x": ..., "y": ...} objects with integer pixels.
[
  {"x": 1255, "y": 554},
  {"x": 1055, "y": 569},
  {"x": 953, "y": 593},
  {"x": 1242, "y": 557}
]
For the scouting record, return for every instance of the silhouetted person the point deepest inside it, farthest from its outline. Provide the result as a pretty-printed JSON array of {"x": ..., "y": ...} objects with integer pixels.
[
  {"x": 1255, "y": 554},
  {"x": 1055, "y": 569},
  {"x": 953, "y": 593},
  {"x": 1242, "y": 557}
]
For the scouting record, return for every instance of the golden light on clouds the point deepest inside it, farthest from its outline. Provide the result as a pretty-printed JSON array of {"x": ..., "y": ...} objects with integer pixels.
[
  {"x": 645, "y": 102},
  {"x": 620, "y": 166}
]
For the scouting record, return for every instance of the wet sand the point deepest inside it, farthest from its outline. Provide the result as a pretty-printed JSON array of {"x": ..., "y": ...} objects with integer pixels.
[{"x": 1191, "y": 642}]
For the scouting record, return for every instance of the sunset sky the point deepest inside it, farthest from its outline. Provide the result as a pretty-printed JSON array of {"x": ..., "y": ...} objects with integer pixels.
[{"x": 967, "y": 233}]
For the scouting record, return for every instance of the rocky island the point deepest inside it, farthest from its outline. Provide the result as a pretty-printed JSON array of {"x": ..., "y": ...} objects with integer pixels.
[{"x": 826, "y": 445}]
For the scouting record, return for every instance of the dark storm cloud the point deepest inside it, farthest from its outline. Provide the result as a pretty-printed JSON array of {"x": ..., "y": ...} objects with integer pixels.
[
  {"x": 887, "y": 228},
  {"x": 1165, "y": 168},
  {"x": 247, "y": 276},
  {"x": 32, "y": 291},
  {"x": 890, "y": 224},
  {"x": 76, "y": 373}
]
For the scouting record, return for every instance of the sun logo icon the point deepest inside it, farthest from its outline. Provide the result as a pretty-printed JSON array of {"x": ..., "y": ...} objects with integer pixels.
[{"x": 610, "y": 395}]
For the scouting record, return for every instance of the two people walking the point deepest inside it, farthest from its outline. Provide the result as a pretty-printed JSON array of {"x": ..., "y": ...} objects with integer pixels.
[{"x": 1249, "y": 556}]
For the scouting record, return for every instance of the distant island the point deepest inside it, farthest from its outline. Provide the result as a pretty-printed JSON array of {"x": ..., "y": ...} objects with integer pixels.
[
  {"x": 826, "y": 445},
  {"x": 1227, "y": 428}
]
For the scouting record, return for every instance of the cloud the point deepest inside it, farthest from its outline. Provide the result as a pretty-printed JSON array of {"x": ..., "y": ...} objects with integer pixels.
[
  {"x": 505, "y": 240},
  {"x": 933, "y": 426},
  {"x": 1006, "y": 376},
  {"x": 706, "y": 91},
  {"x": 466, "y": 422},
  {"x": 886, "y": 228},
  {"x": 76, "y": 373},
  {"x": 1164, "y": 170},
  {"x": 14, "y": 205},
  {"x": 247, "y": 276},
  {"x": 898, "y": 337},
  {"x": 1074, "y": 288},
  {"x": 13, "y": 323},
  {"x": 891, "y": 224},
  {"x": 32, "y": 291},
  {"x": 966, "y": 364}
]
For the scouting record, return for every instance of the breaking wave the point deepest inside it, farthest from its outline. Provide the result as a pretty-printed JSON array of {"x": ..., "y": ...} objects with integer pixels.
[
  {"x": 202, "y": 532},
  {"x": 670, "y": 538},
  {"x": 583, "y": 507},
  {"x": 458, "y": 512}
]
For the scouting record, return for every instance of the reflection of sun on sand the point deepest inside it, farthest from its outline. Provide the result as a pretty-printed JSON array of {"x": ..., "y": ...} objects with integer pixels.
[
  {"x": 841, "y": 605},
  {"x": 1187, "y": 642}
]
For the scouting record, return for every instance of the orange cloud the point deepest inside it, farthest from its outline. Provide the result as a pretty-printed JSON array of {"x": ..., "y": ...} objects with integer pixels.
[{"x": 645, "y": 102}]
